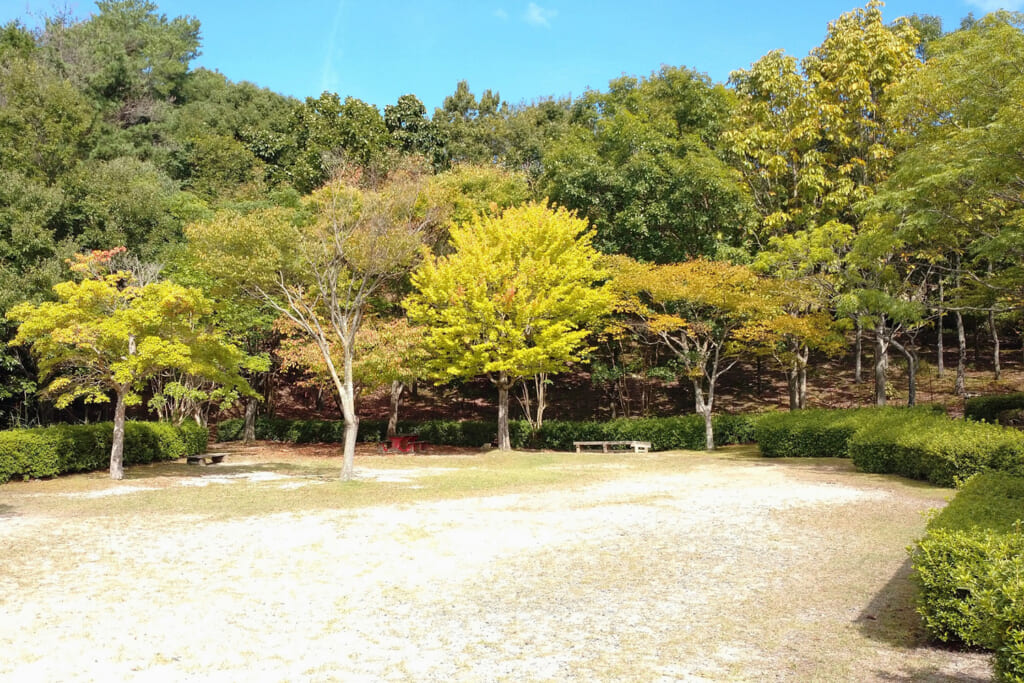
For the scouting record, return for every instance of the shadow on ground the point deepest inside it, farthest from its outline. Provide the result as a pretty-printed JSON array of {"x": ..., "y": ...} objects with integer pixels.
[
  {"x": 891, "y": 618},
  {"x": 931, "y": 675},
  {"x": 181, "y": 470},
  {"x": 7, "y": 511}
]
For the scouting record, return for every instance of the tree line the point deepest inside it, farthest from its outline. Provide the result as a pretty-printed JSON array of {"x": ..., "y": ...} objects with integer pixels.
[{"x": 869, "y": 191}]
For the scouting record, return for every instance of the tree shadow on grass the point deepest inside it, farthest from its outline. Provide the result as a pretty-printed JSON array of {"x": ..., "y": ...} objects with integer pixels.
[
  {"x": 181, "y": 470},
  {"x": 891, "y": 618}
]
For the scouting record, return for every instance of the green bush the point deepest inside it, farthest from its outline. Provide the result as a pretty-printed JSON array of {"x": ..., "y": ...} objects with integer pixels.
[
  {"x": 822, "y": 433},
  {"x": 920, "y": 443},
  {"x": 936, "y": 449},
  {"x": 664, "y": 433},
  {"x": 987, "y": 408},
  {"x": 62, "y": 449},
  {"x": 970, "y": 568}
]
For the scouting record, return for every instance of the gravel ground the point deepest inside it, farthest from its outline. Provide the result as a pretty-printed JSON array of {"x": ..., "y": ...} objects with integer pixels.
[{"x": 735, "y": 570}]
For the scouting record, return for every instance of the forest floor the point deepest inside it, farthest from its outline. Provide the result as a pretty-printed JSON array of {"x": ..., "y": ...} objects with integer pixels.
[{"x": 469, "y": 566}]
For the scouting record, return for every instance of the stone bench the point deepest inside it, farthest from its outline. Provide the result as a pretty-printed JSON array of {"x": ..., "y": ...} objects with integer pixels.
[{"x": 201, "y": 458}]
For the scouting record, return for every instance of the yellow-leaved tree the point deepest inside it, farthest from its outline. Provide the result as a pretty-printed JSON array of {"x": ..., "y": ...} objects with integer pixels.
[
  {"x": 698, "y": 310},
  {"x": 513, "y": 299},
  {"x": 108, "y": 333}
]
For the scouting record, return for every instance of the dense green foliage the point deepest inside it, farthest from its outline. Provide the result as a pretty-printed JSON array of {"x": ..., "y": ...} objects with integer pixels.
[
  {"x": 987, "y": 408},
  {"x": 876, "y": 168},
  {"x": 62, "y": 449},
  {"x": 919, "y": 443},
  {"x": 936, "y": 449},
  {"x": 665, "y": 433},
  {"x": 821, "y": 433},
  {"x": 970, "y": 567}
]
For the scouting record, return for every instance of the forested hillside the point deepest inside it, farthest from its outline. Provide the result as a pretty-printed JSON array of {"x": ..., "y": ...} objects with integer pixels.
[{"x": 858, "y": 198}]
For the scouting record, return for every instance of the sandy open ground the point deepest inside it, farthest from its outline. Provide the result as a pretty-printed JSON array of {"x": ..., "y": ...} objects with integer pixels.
[{"x": 723, "y": 569}]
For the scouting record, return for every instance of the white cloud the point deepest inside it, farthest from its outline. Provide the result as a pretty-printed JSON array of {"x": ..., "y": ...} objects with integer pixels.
[
  {"x": 501, "y": 14},
  {"x": 538, "y": 16},
  {"x": 993, "y": 5},
  {"x": 328, "y": 75}
]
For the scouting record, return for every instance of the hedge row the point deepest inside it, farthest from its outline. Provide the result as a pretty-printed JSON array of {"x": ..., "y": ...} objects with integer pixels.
[
  {"x": 987, "y": 408},
  {"x": 448, "y": 432},
  {"x": 970, "y": 567},
  {"x": 936, "y": 449},
  {"x": 664, "y": 433},
  {"x": 920, "y": 443},
  {"x": 62, "y": 449}
]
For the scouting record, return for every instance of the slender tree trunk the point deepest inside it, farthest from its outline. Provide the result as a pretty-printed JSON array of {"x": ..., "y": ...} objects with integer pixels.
[
  {"x": 504, "y": 441},
  {"x": 249, "y": 430},
  {"x": 960, "y": 386},
  {"x": 802, "y": 357},
  {"x": 542, "y": 397},
  {"x": 347, "y": 402},
  {"x": 759, "y": 386},
  {"x": 911, "y": 355},
  {"x": 881, "y": 361},
  {"x": 858, "y": 366},
  {"x": 793, "y": 384},
  {"x": 348, "y": 409},
  {"x": 397, "y": 389},
  {"x": 996, "y": 369},
  {"x": 940, "y": 350},
  {"x": 703, "y": 407},
  {"x": 117, "y": 443}
]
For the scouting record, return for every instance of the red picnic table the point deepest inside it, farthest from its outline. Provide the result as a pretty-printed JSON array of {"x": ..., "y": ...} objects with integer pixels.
[{"x": 404, "y": 443}]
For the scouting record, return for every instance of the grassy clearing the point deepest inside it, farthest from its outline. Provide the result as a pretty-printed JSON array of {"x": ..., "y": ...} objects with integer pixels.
[
  {"x": 250, "y": 484},
  {"x": 526, "y": 566}
]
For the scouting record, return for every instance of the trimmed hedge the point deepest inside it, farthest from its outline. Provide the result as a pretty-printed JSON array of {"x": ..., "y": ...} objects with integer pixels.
[
  {"x": 450, "y": 432},
  {"x": 685, "y": 432},
  {"x": 664, "y": 433},
  {"x": 987, "y": 408},
  {"x": 936, "y": 449},
  {"x": 821, "y": 433},
  {"x": 62, "y": 449},
  {"x": 919, "y": 443},
  {"x": 970, "y": 568}
]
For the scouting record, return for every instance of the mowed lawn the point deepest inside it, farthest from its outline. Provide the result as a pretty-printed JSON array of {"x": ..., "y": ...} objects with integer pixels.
[{"x": 468, "y": 567}]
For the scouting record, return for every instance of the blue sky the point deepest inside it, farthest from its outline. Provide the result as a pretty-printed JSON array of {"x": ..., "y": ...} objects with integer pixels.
[{"x": 377, "y": 51}]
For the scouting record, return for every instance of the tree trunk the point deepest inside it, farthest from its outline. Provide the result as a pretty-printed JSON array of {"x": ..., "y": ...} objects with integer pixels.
[
  {"x": 249, "y": 430},
  {"x": 940, "y": 350},
  {"x": 542, "y": 397},
  {"x": 881, "y": 361},
  {"x": 703, "y": 408},
  {"x": 793, "y": 382},
  {"x": 802, "y": 386},
  {"x": 504, "y": 441},
  {"x": 995, "y": 344},
  {"x": 347, "y": 402},
  {"x": 961, "y": 357},
  {"x": 911, "y": 355},
  {"x": 397, "y": 389},
  {"x": 858, "y": 366},
  {"x": 117, "y": 443}
]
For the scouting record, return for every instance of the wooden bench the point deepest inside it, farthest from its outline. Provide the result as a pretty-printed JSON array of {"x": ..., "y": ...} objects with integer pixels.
[
  {"x": 637, "y": 446},
  {"x": 201, "y": 458}
]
